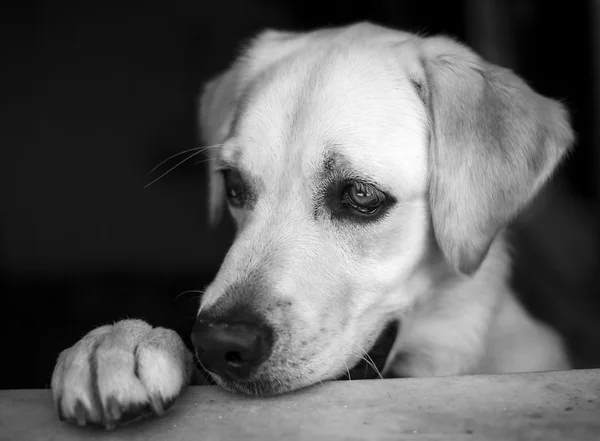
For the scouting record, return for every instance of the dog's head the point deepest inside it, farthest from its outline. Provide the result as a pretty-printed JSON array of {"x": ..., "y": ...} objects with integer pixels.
[{"x": 359, "y": 164}]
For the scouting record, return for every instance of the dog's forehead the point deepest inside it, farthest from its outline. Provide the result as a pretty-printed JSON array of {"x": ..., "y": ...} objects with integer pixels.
[{"x": 359, "y": 102}]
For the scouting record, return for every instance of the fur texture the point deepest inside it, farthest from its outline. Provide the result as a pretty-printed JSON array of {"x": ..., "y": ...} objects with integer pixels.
[{"x": 457, "y": 146}]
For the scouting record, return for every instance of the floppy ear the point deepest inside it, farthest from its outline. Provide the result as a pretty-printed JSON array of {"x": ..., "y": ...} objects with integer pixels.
[
  {"x": 220, "y": 98},
  {"x": 217, "y": 110},
  {"x": 494, "y": 142}
]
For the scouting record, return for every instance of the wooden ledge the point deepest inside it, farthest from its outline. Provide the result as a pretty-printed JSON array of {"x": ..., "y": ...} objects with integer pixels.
[{"x": 545, "y": 406}]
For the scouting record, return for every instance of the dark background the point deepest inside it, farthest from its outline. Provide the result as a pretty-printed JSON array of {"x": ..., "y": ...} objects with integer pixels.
[{"x": 96, "y": 94}]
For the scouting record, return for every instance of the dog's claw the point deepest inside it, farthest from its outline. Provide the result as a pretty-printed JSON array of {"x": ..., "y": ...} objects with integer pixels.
[
  {"x": 129, "y": 414},
  {"x": 112, "y": 410},
  {"x": 61, "y": 415},
  {"x": 81, "y": 413},
  {"x": 156, "y": 404}
]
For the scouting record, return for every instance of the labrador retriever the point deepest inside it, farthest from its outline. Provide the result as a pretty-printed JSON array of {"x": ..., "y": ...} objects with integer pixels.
[{"x": 372, "y": 174}]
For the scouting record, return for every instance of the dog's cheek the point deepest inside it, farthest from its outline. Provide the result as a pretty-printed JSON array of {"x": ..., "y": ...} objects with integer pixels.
[{"x": 399, "y": 245}]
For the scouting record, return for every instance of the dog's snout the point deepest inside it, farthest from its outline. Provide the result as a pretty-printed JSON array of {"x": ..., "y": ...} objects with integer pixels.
[{"x": 232, "y": 347}]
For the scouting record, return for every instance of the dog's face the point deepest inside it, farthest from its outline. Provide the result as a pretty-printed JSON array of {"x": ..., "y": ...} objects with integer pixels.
[{"x": 328, "y": 165}]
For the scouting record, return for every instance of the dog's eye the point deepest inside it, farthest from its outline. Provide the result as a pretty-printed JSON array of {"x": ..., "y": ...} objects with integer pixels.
[
  {"x": 363, "y": 198},
  {"x": 234, "y": 186}
]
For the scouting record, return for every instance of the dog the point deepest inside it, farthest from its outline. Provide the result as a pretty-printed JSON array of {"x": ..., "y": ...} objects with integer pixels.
[{"x": 372, "y": 175}]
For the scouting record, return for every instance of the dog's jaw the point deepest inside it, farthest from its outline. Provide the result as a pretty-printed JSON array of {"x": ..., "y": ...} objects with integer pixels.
[{"x": 369, "y": 366}]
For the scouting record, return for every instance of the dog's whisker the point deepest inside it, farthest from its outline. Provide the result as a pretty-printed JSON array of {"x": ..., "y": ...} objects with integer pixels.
[
  {"x": 202, "y": 161},
  {"x": 373, "y": 366},
  {"x": 196, "y": 149},
  {"x": 197, "y": 291},
  {"x": 348, "y": 371},
  {"x": 206, "y": 371},
  {"x": 370, "y": 361},
  {"x": 174, "y": 167}
]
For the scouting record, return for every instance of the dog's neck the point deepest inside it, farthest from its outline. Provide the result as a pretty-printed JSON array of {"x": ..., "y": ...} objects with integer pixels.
[{"x": 452, "y": 313}]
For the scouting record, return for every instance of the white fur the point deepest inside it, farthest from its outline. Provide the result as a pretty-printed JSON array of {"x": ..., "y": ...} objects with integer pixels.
[{"x": 468, "y": 148}]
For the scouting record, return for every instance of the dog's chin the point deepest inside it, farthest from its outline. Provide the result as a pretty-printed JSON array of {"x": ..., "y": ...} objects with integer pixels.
[{"x": 369, "y": 367}]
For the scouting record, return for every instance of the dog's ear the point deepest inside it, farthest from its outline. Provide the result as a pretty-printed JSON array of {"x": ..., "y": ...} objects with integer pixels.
[
  {"x": 221, "y": 96},
  {"x": 217, "y": 110},
  {"x": 494, "y": 142}
]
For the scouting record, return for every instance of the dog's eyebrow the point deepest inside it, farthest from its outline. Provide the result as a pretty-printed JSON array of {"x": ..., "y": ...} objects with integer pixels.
[
  {"x": 337, "y": 167},
  {"x": 336, "y": 163}
]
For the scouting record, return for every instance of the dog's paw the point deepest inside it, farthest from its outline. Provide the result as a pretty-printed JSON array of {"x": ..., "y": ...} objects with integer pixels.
[{"x": 120, "y": 373}]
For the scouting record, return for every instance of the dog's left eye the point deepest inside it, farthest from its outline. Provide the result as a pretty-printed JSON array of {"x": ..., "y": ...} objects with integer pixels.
[
  {"x": 235, "y": 188},
  {"x": 363, "y": 198}
]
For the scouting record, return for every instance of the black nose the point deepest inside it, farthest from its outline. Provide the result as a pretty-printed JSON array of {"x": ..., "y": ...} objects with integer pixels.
[{"x": 232, "y": 347}]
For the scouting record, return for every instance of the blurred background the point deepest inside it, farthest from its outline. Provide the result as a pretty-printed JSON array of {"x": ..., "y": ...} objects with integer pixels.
[{"x": 97, "y": 94}]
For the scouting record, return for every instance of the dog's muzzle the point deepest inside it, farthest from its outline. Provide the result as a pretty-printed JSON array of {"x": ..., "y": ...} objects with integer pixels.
[{"x": 233, "y": 346}]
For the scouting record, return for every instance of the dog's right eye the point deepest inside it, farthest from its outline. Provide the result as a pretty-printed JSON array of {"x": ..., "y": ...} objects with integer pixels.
[
  {"x": 356, "y": 201},
  {"x": 235, "y": 188},
  {"x": 363, "y": 198}
]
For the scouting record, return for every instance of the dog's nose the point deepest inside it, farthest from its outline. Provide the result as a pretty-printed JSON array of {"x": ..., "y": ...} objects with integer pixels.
[{"x": 231, "y": 347}]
